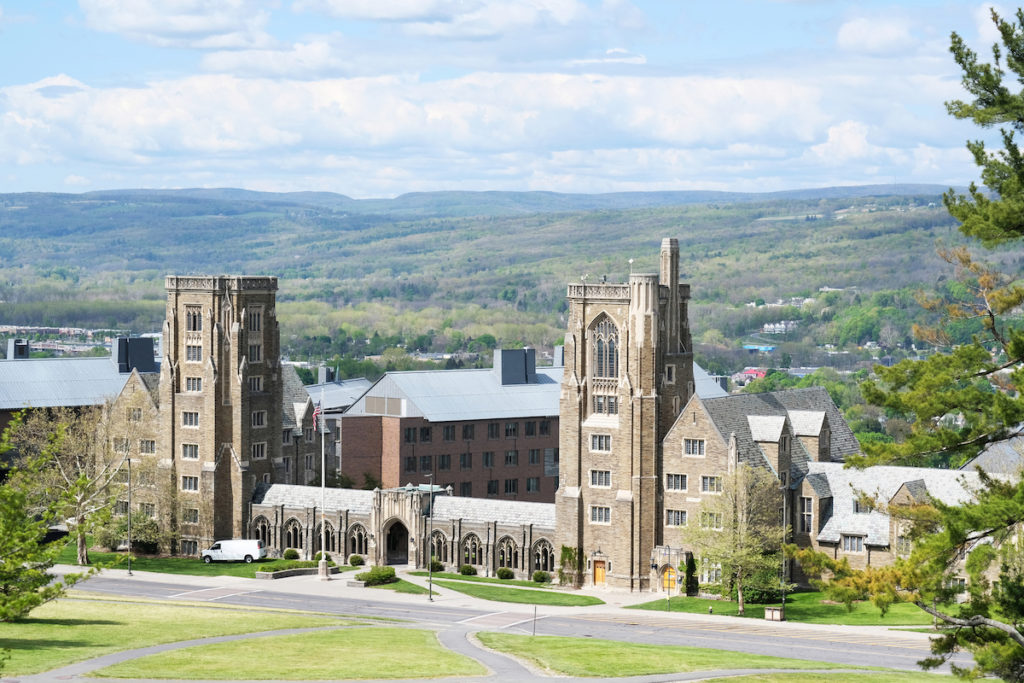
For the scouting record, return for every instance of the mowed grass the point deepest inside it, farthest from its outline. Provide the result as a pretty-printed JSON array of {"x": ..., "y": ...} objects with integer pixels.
[
  {"x": 403, "y": 586},
  {"x": 520, "y": 595},
  {"x": 325, "y": 655},
  {"x": 484, "y": 579},
  {"x": 191, "y": 566},
  {"x": 803, "y": 607},
  {"x": 71, "y": 630},
  {"x": 593, "y": 657},
  {"x": 849, "y": 677}
]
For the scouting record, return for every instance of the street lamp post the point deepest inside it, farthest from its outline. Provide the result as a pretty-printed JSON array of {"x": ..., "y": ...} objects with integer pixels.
[
  {"x": 430, "y": 541},
  {"x": 324, "y": 569},
  {"x": 129, "y": 516}
]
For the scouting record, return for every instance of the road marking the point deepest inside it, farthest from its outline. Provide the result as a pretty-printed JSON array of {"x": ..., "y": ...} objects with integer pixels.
[
  {"x": 210, "y": 594},
  {"x": 482, "y": 616},
  {"x": 525, "y": 621}
]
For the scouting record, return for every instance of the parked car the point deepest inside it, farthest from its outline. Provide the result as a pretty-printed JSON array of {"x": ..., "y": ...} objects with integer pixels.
[{"x": 237, "y": 550}]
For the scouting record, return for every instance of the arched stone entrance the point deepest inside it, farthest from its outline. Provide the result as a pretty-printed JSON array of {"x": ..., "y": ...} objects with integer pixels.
[{"x": 396, "y": 548}]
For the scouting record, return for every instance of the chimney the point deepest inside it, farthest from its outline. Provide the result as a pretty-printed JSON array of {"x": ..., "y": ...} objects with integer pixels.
[
  {"x": 17, "y": 349},
  {"x": 135, "y": 353},
  {"x": 516, "y": 366}
]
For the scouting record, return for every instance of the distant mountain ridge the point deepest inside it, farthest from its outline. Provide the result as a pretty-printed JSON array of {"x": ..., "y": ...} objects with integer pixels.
[{"x": 493, "y": 202}]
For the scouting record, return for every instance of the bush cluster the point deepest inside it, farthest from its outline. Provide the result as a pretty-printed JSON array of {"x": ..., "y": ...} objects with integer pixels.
[
  {"x": 291, "y": 554},
  {"x": 505, "y": 573},
  {"x": 467, "y": 570},
  {"x": 316, "y": 558},
  {"x": 378, "y": 576},
  {"x": 436, "y": 566},
  {"x": 541, "y": 576},
  {"x": 355, "y": 560}
]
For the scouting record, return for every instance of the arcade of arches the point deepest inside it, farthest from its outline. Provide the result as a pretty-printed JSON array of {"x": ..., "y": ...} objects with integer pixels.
[{"x": 395, "y": 527}]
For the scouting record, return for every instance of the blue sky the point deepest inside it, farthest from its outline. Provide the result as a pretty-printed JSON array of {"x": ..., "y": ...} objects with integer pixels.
[{"x": 374, "y": 98}]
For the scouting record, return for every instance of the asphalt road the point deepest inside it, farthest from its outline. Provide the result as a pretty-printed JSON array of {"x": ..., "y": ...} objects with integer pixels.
[{"x": 859, "y": 646}]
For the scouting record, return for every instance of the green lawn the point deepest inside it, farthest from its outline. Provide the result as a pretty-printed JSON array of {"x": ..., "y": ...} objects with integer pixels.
[
  {"x": 177, "y": 565},
  {"x": 484, "y": 579},
  {"x": 347, "y": 653},
  {"x": 804, "y": 607},
  {"x": 520, "y": 595},
  {"x": 607, "y": 658},
  {"x": 867, "y": 677},
  {"x": 403, "y": 586},
  {"x": 71, "y": 630}
]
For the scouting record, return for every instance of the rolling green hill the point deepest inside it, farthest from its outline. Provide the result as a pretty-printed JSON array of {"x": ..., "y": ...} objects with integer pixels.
[{"x": 459, "y": 264}]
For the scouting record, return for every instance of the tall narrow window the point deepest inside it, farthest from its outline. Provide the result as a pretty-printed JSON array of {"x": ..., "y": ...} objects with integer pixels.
[
  {"x": 193, "y": 319},
  {"x": 606, "y": 349}
]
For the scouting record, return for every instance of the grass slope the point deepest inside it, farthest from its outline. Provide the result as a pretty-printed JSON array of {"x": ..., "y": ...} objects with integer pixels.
[
  {"x": 804, "y": 607},
  {"x": 72, "y": 630},
  {"x": 357, "y": 653},
  {"x": 607, "y": 658},
  {"x": 519, "y": 595}
]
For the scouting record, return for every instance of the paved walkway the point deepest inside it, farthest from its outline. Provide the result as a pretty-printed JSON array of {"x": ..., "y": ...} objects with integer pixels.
[{"x": 458, "y": 638}]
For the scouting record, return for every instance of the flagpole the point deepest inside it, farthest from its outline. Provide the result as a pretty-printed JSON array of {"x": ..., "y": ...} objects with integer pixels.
[{"x": 325, "y": 574}]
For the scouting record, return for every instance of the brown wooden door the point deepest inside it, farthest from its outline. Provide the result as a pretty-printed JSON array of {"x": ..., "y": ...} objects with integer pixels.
[{"x": 598, "y": 572}]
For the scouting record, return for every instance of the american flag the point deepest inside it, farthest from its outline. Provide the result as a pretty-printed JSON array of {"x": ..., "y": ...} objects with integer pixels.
[{"x": 317, "y": 412}]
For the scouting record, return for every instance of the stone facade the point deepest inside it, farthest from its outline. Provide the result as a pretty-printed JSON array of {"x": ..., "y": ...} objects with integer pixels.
[
  {"x": 223, "y": 415},
  {"x": 628, "y": 373},
  {"x": 391, "y": 526}
]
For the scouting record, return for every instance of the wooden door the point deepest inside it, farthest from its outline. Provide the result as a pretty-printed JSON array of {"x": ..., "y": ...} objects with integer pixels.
[
  {"x": 668, "y": 579},
  {"x": 598, "y": 572}
]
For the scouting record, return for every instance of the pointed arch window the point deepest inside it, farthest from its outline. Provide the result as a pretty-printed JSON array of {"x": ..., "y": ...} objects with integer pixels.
[{"x": 606, "y": 348}]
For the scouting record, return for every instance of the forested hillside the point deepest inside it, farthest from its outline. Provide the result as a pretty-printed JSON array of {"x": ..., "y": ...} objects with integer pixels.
[{"x": 440, "y": 269}]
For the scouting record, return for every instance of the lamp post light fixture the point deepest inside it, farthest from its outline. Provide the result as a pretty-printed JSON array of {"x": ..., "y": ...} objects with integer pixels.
[
  {"x": 430, "y": 541},
  {"x": 129, "y": 515}
]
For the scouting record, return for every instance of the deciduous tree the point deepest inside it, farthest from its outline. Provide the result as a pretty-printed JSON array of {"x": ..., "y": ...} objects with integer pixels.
[{"x": 741, "y": 529}]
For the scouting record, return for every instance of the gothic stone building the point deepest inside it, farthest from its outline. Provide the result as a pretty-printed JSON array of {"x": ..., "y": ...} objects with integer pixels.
[{"x": 222, "y": 415}]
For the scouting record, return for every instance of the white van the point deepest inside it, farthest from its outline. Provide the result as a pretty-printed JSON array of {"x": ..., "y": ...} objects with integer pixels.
[{"x": 245, "y": 550}]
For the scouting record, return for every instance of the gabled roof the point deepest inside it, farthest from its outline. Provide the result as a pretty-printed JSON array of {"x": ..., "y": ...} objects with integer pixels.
[
  {"x": 1001, "y": 457},
  {"x": 338, "y": 395},
  {"x": 705, "y": 385},
  {"x": 501, "y": 511},
  {"x": 294, "y": 398},
  {"x": 882, "y": 482},
  {"x": 730, "y": 416},
  {"x": 806, "y": 422},
  {"x": 52, "y": 382},
  {"x": 766, "y": 428}
]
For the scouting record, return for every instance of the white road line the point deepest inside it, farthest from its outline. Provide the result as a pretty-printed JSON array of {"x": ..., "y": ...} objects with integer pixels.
[
  {"x": 230, "y": 595},
  {"x": 482, "y": 616},
  {"x": 526, "y": 621}
]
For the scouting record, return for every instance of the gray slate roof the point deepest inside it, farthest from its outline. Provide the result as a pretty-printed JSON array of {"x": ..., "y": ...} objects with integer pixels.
[
  {"x": 705, "y": 385},
  {"x": 293, "y": 398},
  {"x": 290, "y": 495},
  {"x": 338, "y": 395},
  {"x": 491, "y": 510},
  {"x": 882, "y": 482},
  {"x": 1002, "y": 457},
  {"x": 730, "y": 414},
  {"x": 52, "y": 382}
]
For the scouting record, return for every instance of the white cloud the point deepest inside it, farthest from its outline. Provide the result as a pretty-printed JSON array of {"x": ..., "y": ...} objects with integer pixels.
[
  {"x": 314, "y": 58},
  {"x": 847, "y": 141},
  {"x": 473, "y": 19},
  {"x": 988, "y": 34},
  {"x": 208, "y": 24},
  {"x": 76, "y": 181},
  {"x": 874, "y": 36},
  {"x": 615, "y": 55}
]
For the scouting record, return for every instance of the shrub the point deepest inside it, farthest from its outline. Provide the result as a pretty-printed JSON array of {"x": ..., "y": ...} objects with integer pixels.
[
  {"x": 291, "y": 554},
  {"x": 467, "y": 570},
  {"x": 436, "y": 566},
  {"x": 377, "y": 576},
  {"x": 316, "y": 558},
  {"x": 355, "y": 560},
  {"x": 541, "y": 576},
  {"x": 692, "y": 579},
  {"x": 505, "y": 573}
]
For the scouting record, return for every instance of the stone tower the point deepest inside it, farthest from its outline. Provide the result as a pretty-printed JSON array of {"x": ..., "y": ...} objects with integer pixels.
[
  {"x": 220, "y": 401},
  {"x": 628, "y": 374}
]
